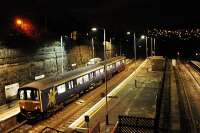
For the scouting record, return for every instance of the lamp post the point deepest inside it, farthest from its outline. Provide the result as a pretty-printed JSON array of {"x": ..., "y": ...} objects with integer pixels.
[
  {"x": 146, "y": 39},
  {"x": 134, "y": 41},
  {"x": 154, "y": 43},
  {"x": 146, "y": 45},
  {"x": 105, "y": 68},
  {"x": 135, "y": 54},
  {"x": 92, "y": 41},
  {"x": 61, "y": 45},
  {"x": 151, "y": 45}
]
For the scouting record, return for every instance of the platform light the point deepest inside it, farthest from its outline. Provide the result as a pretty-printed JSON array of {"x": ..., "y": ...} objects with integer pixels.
[
  {"x": 128, "y": 33},
  {"x": 142, "y": 37},
  {"x": 94, "y": 29}
]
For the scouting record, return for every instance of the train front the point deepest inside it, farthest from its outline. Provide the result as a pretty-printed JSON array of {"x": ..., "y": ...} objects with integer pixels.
[{"x": 29, "y": 102}]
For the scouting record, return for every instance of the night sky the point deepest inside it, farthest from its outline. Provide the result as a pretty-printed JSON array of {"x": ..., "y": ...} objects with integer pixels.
[{"x": 65, "y": 15}]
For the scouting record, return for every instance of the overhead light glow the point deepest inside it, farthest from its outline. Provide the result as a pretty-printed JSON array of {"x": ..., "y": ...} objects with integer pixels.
[
  {"x": 94, "y": 29},
  {"x": 18, "y": 21},
  {"x": 142, "y": 37}
]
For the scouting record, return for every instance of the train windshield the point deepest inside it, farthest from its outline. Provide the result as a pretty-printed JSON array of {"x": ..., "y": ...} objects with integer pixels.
[{"x": 29, "y": 94}]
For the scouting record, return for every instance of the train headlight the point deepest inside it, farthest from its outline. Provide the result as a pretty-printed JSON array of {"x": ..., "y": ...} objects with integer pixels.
[
  {"x": 36, "y": 107},
  {"x": 23, "y": 107}
]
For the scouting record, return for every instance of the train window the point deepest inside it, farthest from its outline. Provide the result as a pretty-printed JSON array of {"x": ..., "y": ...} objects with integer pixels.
[
  {"x": 101, "y": 70},
  {"x": 108, "y": 67},
  {"x": 21, "y": 95},
  {"x": 28, "y": 93},
  {"x": 34, "y": 95},
  {"x": 79, "y": 81},
  {"x": 86, "y": 78},
  {"x": 117, "y": 64},
  {"x": 61, "y": 88},
  {"x": 91, "y": 75},
  {"x": 97, "y": 73},
  {"x": 70, "y": 84}
]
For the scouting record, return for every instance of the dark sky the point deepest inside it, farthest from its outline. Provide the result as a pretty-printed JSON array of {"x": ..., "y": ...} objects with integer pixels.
[{"x": 114, "y": 14}]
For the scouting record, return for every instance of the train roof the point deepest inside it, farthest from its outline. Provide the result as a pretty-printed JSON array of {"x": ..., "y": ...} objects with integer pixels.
[{"x": 61, "y": 78}]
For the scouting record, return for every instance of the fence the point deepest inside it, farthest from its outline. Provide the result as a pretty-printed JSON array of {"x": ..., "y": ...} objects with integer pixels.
[{"x": 131, "y": 124}]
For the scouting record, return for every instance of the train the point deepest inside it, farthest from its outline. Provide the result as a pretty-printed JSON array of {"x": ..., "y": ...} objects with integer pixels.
[{"x": 45, "y": 96}]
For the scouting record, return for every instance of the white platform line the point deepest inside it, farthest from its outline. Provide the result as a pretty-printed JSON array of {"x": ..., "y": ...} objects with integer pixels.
[{"x": 102, "y": 102}]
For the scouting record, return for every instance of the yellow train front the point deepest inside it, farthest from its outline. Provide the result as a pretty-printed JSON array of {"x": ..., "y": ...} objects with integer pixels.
[{"x": 30, "y": 102}]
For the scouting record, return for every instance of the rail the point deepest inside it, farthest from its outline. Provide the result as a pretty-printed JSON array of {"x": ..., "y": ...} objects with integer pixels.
[
  {"x": 50, "y": 129},
  {"x": 16, "y": 126},
  {"x": 197, "y": 69},
  {"x": 188, "y": 119},
  {"x": 159, "y": 101}
]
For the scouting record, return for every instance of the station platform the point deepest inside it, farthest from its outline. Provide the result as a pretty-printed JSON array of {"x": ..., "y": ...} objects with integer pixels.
[
  {"x": 135, "y": 96},
  {"x": 9, "y": 110}
]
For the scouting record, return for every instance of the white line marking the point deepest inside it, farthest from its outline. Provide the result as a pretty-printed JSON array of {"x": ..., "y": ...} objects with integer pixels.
[{"x": 102, "y": 102}]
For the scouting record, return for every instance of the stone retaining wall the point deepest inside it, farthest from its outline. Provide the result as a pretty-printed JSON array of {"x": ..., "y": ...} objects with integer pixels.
[{"x": 17, "y": 67}]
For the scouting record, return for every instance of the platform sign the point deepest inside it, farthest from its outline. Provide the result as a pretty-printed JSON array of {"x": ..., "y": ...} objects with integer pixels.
[
  {"x": 39, "y": 77},
  {"x": 11, "y": 90},
  {"x": 173, "y": 62}
]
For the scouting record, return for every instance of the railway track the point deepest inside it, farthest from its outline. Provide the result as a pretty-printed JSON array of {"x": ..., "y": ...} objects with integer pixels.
[
  {"x": 62, "y": 119},
  {"x": 195, "y": 73},
  {"x": 188, "y": 91},
  {"x": 19, "y": 128}
]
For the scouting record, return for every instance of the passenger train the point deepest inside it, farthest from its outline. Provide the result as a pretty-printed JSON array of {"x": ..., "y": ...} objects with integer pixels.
[{"x": 45, "y": 96}]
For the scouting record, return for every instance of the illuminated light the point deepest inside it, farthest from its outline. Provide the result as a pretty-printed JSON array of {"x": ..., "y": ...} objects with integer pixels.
[
  {"x": 18, "y": 21},
  {"x": 23, "y": 107},
  {"x": 36, "y": 107},
  {"x": 93, "y": 110},
  {"x": 128, "y": 33},
  {"x": 178, "y": 53},
  {"x": 94, "y": 29},
  {"x": 142, "y": 37}
]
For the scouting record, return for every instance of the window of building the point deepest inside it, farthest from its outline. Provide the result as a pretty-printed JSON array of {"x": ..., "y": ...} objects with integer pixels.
[{"x": 61, "y": 88}]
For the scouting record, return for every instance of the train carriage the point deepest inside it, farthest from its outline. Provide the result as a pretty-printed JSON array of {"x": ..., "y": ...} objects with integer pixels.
[{"x": 47, "y": 95}]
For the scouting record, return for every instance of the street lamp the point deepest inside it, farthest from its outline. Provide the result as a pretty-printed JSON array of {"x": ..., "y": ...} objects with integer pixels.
[
  {"x": 135, "y": 54},
  {"x": 19, "y": 22},
  {"x": 134, "y": 38},
  {"x": 62, "y": 53},
  {"x": 142, "y": 36},
  {"x": 146, "y": 41},
  {"x": 61, "y": 45},
  {"x": 92, "y": 41},
  {"x": 154, "y": 43},
  {"x": 94, "y": 29}
]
